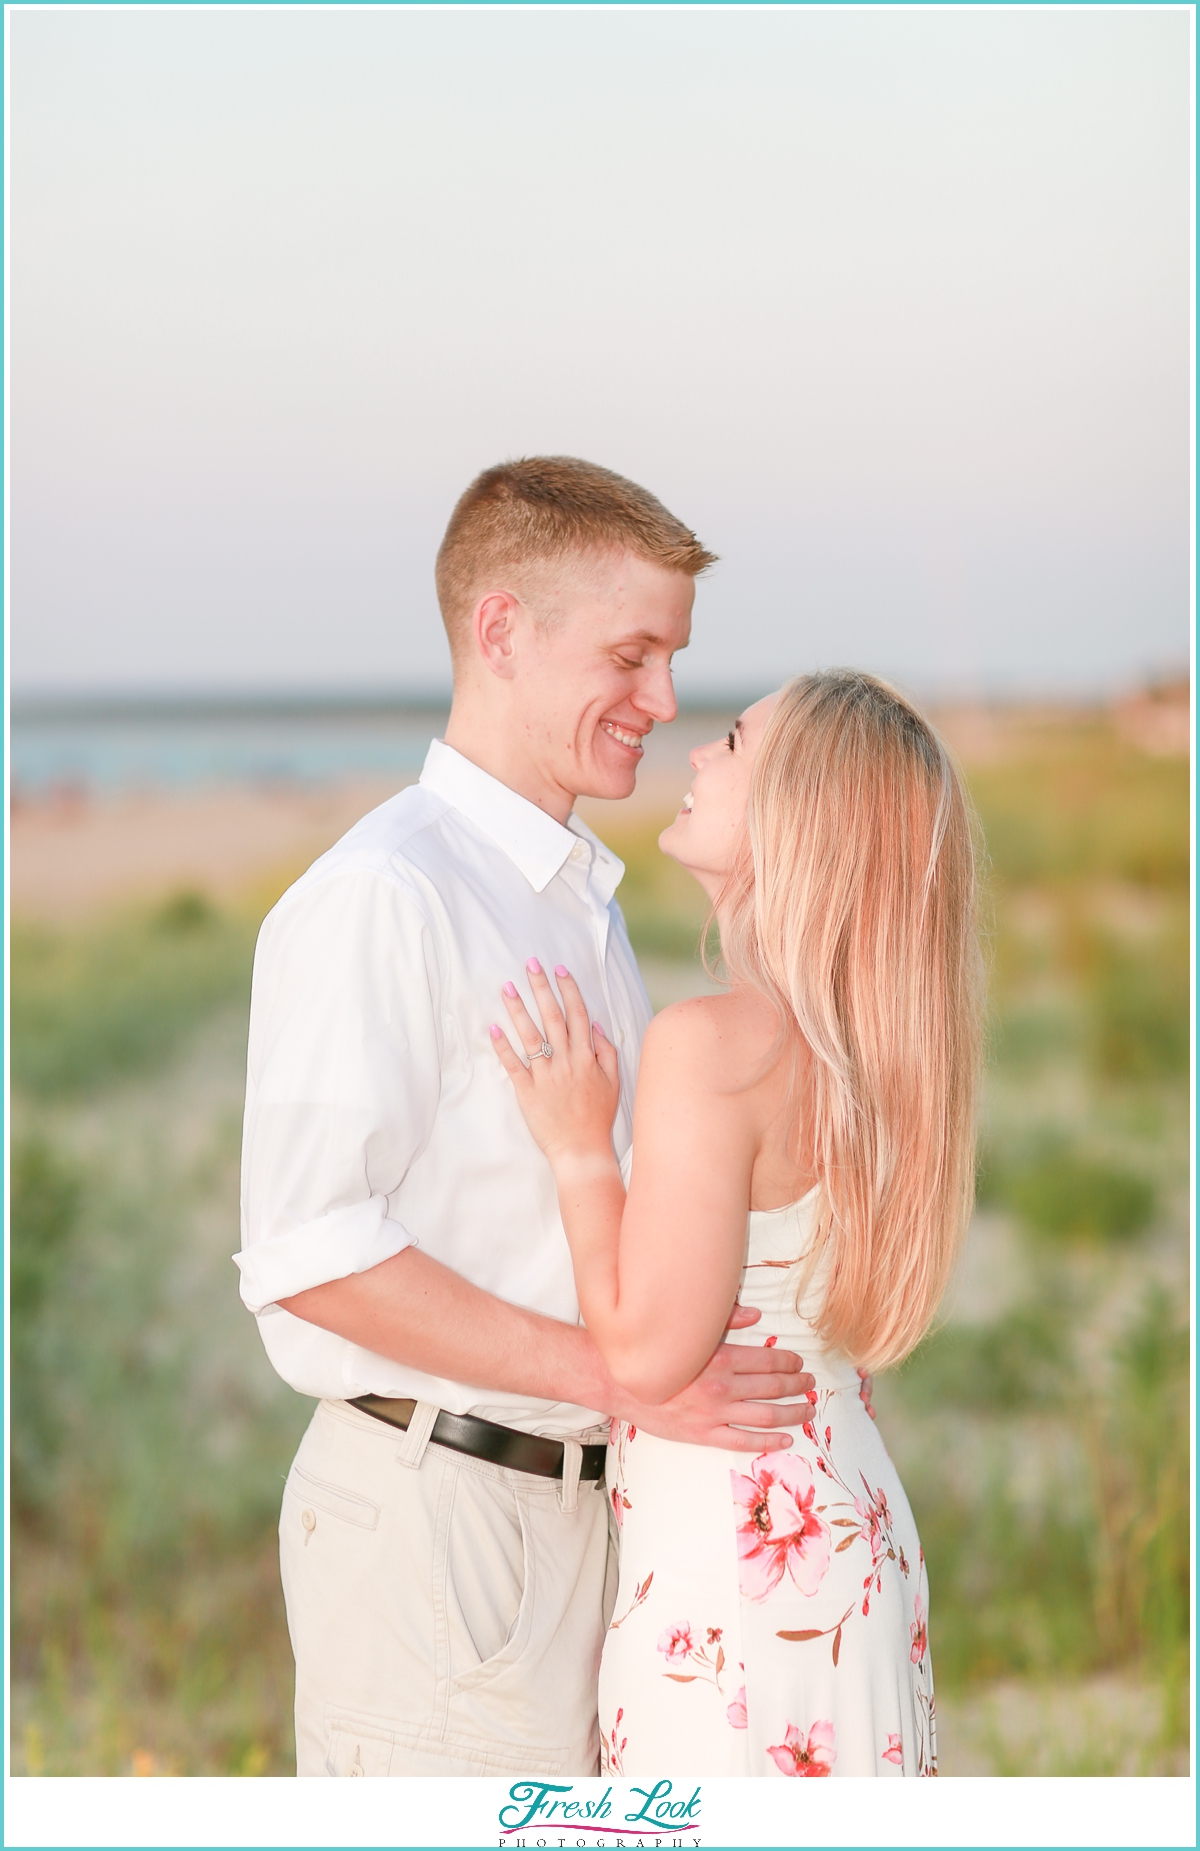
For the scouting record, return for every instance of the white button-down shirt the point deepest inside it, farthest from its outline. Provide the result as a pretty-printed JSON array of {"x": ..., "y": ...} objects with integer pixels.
[{"x": 377, "y": 1114}]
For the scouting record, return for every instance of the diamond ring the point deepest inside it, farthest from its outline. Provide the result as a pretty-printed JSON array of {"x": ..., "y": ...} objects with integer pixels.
[{"x": 543, "y": 1053}]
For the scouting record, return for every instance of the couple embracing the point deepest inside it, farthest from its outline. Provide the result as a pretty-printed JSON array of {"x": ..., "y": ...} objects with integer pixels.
[{"x": 591, "y": 1482}]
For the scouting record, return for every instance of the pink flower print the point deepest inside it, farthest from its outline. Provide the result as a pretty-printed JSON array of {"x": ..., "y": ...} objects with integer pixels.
[
  {"x": 918, "y": 1632},
  {"x": 617, "y": 1494},
  {"x": 778, "y": 1527},
  {"x": 737, "y": 1711},
  {"x": 639, "y": 1594},
  {"x": 676, "y": 1642},
  {"x": 876, "y": 1521},
  {"x": 871, "y": 1531},
  {"x": 812, "y": 1758},
  {"x": 610, "y": 1749},
  {"x": 894, "y": 1752}
]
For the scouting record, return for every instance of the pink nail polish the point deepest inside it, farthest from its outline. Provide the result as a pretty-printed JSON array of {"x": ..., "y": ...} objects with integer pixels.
[
  {"x": 510, "y": 989},
  {"x": 534, "y": 966},
  {"x": 596, "y": 1029},
  {"x": 495, "y": 1031},
  {"x": 560, "y": 970}
]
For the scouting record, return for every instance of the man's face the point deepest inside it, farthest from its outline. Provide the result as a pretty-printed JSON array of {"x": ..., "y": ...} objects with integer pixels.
[{"x": 591, "y": 682}]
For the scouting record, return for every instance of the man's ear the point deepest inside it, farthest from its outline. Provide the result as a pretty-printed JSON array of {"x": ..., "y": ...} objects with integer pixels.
[{"x": 494, "y": 629}]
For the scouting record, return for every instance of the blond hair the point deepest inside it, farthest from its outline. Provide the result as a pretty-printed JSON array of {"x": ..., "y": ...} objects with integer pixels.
[
  {"x": 549, "y": 511},
  {"x": 854, "y": 911}
]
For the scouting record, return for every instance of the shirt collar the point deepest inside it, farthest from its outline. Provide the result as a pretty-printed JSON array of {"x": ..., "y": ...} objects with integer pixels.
[
  {"x": 532, "y": 840},
  {"x": 607, "y": 870}
]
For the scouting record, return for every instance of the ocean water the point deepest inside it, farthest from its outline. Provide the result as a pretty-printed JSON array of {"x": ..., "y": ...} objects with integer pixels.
[{"x": 95, "y": 751}]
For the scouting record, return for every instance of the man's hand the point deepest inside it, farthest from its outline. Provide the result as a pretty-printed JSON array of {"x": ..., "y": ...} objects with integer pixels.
[{"x": 740, "y": 1387}]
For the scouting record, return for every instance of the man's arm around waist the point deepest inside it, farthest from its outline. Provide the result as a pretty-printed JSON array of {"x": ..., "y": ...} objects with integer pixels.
[{"x": 416, "y": 1311}]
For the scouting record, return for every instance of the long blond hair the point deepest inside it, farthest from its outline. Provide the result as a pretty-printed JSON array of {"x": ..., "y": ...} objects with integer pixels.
[{"x": 854, "y": 910}]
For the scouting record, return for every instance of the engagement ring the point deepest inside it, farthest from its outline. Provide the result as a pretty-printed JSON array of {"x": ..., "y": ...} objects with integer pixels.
[{"x": 543, "y": 1053}]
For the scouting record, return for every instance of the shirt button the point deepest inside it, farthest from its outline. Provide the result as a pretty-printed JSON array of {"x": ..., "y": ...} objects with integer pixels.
[
  {"x": 621, "y": 1039},
  {"x": 579, "y": 852},
  {"x": 309, "y": 1519}
]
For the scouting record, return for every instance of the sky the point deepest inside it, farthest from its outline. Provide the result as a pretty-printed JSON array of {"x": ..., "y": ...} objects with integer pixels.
[{"x": 891, "y": 307}]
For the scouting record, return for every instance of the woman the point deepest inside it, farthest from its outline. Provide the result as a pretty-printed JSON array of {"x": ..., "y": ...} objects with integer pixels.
[{"x": 772, "y": 1619}]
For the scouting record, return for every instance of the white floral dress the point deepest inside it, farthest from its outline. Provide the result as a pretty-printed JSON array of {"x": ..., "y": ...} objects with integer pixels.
[{"x": 771, "y": 1614}]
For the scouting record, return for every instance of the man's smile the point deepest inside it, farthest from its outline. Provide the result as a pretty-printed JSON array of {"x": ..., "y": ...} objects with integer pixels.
[{"x": 633, "y": 741}]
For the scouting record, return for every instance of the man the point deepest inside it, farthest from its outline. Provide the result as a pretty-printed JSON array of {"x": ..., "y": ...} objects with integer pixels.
[{"x": 444, "y": 1533}]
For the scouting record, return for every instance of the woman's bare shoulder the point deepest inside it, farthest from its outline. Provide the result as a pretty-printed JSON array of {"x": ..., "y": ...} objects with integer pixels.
[{"x": 715, "y": 1039}]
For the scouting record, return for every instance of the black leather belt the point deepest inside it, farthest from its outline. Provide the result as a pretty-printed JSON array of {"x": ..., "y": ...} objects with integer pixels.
[{"x": 483, "y": 1439}]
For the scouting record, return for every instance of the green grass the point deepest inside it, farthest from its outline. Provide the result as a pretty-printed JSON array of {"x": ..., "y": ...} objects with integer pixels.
[
  {"x": 150, "y": 1436},
  {"x": 1094, "y": 1573},
  {"x": 1078, "y": 805},
  {"x": 1061, "y": 1192},
  {"x": 91, "y": 1007}
]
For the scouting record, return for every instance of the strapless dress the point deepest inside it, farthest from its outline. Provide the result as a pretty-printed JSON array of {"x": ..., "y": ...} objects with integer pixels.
[{"x": 772, "y": 1610}]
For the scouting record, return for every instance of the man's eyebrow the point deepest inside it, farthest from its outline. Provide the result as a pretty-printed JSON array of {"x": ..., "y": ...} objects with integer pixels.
[{"x": 646, "y": 636}]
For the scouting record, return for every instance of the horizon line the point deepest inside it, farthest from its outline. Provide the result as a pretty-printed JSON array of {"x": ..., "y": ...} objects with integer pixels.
[{"x": 211, "y": 703}]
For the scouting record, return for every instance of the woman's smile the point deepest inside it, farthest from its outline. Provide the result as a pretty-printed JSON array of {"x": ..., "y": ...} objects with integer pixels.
[{"x": 714, "y": 809}]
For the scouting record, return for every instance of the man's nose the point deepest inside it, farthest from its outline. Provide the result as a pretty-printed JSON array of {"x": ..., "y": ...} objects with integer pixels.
[{"x": 655, "y": 695}]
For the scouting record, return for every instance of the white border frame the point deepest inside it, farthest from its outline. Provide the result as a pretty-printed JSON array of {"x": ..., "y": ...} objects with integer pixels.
[{"x": 273, "y": 1812}]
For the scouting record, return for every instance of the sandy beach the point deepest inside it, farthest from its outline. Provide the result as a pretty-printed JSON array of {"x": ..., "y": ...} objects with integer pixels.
[{"x": 73, "y": 853}]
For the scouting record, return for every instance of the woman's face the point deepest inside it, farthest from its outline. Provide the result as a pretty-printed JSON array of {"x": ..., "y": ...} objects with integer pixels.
[{"x": 707, "y": 833}]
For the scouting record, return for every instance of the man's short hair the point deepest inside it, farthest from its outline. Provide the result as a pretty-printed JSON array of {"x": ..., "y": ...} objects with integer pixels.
[{"x": 519, "y": 518}]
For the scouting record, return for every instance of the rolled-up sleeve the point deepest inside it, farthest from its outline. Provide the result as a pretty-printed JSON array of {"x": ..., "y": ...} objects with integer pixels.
[{"x": 343, "y": 1081}]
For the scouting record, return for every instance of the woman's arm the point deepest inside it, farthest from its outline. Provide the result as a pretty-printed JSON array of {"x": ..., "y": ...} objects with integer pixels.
[
  {"x": 419, "y": 1312},
  {"x": 657, "y": 1272}
]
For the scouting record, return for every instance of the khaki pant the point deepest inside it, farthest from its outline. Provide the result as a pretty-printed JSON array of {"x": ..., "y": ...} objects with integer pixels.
[{"x": 446, "y": 1614}]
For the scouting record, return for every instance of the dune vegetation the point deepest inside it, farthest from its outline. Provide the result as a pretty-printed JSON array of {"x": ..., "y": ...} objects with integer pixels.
[{"x": 1042, "y": 1429}]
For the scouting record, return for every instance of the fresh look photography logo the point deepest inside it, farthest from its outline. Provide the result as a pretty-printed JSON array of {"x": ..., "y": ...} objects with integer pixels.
[{"x": 551, "y": 1813}]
